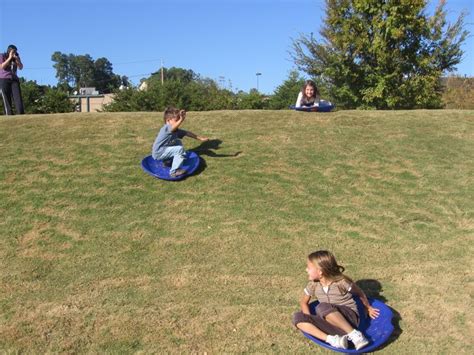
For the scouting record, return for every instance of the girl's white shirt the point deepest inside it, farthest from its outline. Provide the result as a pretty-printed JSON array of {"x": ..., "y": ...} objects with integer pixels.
[
  {"x": 300, "y": 98},
  {"x": 326, "y": 289}
]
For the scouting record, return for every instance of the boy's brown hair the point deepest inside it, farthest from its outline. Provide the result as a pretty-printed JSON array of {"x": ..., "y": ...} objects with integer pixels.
[{"x": 170, "y": 112}]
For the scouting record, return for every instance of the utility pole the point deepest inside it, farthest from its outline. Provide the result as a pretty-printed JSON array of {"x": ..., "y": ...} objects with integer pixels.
[
  {"x": 258, "y": 74},
  {"x": 162, "y": 73}
]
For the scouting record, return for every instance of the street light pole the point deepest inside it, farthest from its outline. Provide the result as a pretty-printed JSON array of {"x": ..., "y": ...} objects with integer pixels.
[
  {"x": 162, "y": 73},
  {"x": 258, "y": 74},
  {"x": 222, "y": 81}
]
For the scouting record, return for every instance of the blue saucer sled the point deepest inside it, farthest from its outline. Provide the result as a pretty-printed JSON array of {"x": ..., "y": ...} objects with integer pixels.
[
  {"x": 324, "y": 106},
  {"x": 377, "y": 330},
  {"x": 160, "y": 170}
]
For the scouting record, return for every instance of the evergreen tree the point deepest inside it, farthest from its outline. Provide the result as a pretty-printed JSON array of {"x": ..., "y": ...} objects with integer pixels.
[
  {"x": 382, "y": 54},
  {"x": 286, "y": 94}
]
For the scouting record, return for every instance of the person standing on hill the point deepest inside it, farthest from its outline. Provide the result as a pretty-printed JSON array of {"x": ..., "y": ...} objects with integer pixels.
[{"x": 9, "y": 81}]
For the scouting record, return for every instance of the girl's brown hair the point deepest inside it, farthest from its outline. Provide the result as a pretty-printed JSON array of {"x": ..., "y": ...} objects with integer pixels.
[{"x": 328, "y": 265}]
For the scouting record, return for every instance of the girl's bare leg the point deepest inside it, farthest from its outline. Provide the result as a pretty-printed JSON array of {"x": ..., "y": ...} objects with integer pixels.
[
  {"x": 312, "y": 330},
  {"x": 338, "y": 320}
]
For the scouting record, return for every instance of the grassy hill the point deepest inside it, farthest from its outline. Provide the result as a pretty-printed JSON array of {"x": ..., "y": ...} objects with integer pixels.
[{"x": 96, "y": 256}]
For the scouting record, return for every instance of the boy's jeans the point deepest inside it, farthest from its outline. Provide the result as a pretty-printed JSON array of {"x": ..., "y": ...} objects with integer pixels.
[{"x": 176, "y": 152}]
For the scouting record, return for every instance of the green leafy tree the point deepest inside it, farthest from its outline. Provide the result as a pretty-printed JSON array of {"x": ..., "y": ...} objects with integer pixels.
[
  {"x": 104, "y": 79},
  {"x": 205, "y": 94},
  {"x": 31, "y": 93},
  {"x": 82, "y": 71},
  {"x": 286, "y": 94},
  {"x": 252, "y": 100},
  {"x": 124, "y": 101},
  {"x": 382, "y": 54},
  {"x": 55, "y": 101},
  {"x": 133, "y": 100},
  {"x": 44, "y": 99},
  {"x": 62, "y": 66},
  {"x": 181, "y": 88},
  {"x": 184, "y": 76}
]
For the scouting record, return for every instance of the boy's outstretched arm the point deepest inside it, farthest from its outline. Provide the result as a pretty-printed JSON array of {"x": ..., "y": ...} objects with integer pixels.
[
  {"x": 195, "y": 136},
  {"x": 356, "y": 290}
]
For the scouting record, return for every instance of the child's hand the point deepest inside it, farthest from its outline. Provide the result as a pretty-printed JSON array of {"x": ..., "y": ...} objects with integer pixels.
[
  {"x": 373, "y": 312},
  {"x": 182, "y": 114},
  {"x": 203, "y": 139}
]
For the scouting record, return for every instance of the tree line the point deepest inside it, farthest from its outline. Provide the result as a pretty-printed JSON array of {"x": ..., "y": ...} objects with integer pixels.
[
  {"x": 382, "y": 54},
  {"x": 369, "y": 54},
  {"x": 182, "y": 88},
  {"x": 185, "y": 88}
]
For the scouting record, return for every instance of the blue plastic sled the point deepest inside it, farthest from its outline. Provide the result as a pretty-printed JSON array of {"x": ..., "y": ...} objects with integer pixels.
[
  {"x": 158, "y": 169},
  {"x": 324, "y": 106},
  {"x": 377, "y": 330}
]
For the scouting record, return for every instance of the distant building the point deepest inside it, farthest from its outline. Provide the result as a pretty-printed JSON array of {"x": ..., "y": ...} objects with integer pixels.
[
  {"x": 90, "y": 100},
  {"x": 88, "y": 91}
]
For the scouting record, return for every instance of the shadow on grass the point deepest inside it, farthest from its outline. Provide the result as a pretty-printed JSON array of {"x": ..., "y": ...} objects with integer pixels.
[
  {"x": 372, "y": 288},
  {"x": 207, "y": 148},
  {"x": 202, "y": 166}
]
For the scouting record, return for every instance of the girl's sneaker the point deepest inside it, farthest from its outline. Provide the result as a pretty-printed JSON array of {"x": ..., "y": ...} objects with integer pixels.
[
  {"x": 358, "y": 339},
  {"x": 337, "y": 341}
]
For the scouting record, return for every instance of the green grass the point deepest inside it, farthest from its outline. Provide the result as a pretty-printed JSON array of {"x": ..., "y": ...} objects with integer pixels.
[{"x": 96, "y": 256}]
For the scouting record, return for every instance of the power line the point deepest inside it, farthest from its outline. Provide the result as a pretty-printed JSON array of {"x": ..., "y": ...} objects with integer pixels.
[
  {"x": 38, "y": 68},
  {"x": 138, "y": 61},
  {"x": 135, "y": 75}
]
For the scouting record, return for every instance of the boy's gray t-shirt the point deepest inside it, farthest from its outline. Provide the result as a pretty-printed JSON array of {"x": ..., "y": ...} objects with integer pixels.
[{"x": 167, "y": 138}]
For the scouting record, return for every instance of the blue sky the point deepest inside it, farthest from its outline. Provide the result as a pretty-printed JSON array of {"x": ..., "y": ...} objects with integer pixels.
[{"x": 226, "y": 40}]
